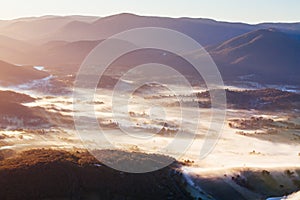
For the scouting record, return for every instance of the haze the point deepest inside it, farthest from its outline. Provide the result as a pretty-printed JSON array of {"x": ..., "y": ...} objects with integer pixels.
[{"x": 255, "y": 11}]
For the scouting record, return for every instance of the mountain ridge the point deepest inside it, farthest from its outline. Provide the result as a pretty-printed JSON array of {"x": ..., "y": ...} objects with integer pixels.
[{"x": 265, "y": 53}]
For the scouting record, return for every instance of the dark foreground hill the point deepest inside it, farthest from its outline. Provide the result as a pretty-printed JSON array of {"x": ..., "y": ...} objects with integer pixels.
[{"x": 56, "y": 174}]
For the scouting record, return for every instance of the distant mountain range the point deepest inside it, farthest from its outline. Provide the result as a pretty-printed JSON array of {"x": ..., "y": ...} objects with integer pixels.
[{"x": 268, "y": 52}]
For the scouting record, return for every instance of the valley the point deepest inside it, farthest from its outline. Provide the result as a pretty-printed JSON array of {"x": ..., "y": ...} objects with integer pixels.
[{"x": 244, "y": 148}]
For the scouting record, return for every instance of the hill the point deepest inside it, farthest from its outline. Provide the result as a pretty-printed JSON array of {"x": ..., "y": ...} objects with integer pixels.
[
  {"x": 204, "y": 31},
  {"x": 265, "y": 55},
  {"x": 15, "y": 75},
  {"x": 35, "y": 28},
  {"x": 14, "y": 51},
  {"x": 262, "y": 99},
  {"x": 242, "y": 52},
  {"x": 15, "y": 115},
  {"x": 58, "y": 174}
]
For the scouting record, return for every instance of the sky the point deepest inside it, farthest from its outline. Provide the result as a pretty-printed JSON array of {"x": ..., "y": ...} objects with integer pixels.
[{"x": 249, "y": 11}]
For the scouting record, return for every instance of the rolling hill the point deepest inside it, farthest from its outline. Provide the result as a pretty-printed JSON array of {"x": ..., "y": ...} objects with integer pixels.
[
  {"x": 205, "y": 31},
  {"x": 241, "y": 51},
  {"x": 35, "y": 28},
  {"x": 14, "y": 75},
  {"x": 75, "y": 28},
  {"x": 14, "y": 114},
  {"x": 61, "y": 53},
  {"x": 15, "y": 51},
  {"x": 266, "y": 55}
]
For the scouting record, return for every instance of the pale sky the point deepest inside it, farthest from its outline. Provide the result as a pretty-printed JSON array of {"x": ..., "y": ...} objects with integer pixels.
[{"x": 250, "y": 11}]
